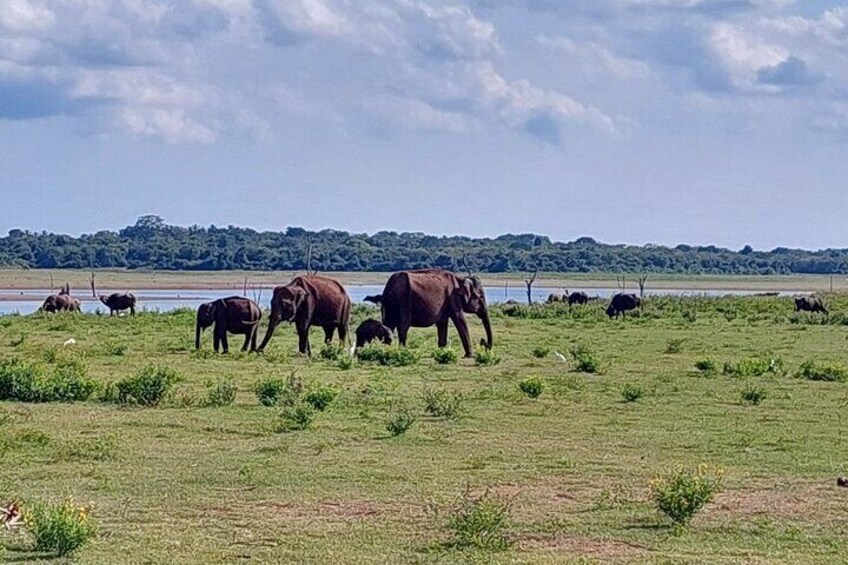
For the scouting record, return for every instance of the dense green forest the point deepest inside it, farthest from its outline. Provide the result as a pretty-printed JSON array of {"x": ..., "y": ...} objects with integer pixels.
[{"x": 152, "y": 244}]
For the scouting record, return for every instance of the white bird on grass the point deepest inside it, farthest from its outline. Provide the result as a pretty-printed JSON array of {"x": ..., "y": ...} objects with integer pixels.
[
  {"x": 560, "y": 356},
  {"x": 70, "y": 341}
]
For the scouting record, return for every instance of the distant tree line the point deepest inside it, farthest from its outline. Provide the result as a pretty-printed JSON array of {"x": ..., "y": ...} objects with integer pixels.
[{"x": 152, "y": 244}]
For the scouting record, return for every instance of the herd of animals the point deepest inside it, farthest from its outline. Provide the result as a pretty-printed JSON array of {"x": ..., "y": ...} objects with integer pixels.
[{"x": 418, "y": 298}]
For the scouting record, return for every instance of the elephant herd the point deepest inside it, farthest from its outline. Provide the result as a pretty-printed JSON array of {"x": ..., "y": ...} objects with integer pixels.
[{"x": 421, "y": 298}]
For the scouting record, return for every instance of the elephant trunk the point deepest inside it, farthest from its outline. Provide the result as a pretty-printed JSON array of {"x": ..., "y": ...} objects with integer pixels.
[
  {"x": 198, "y": 331},
  {"x": 487, "y": 325},
  {"x": 273, "y": 320}
]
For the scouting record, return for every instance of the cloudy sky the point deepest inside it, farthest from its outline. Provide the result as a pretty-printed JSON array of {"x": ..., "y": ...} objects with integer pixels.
[{"x": 663, "y": 121}]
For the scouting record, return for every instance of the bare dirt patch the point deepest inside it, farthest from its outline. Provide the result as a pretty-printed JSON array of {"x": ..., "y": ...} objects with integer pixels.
[{"x": 806, "y": 502}]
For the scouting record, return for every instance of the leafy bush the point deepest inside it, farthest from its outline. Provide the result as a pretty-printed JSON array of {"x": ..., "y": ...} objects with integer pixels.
[
  {"x": 631, "y": 392},
  {"x": 61, "y": 528},
  {"x": 753, "y": 395},
  {"x": 706, "y": 365},
  {"x": 320, "y": 396},
  {"x": 222, "y": 393},
  {"x": 148, "y": 387},
  {"x": 531, "y": 387},
  {"x": 486, "y": 357},
  {"x": 345, "y": 362},
  {"x": 812, "y": 371},
  {"x": 680, "y": 494},
  {"x": 332, "y": 352},
  {"x": 540, "y": 352},
  {"x": 586, "y": 361},
  {"x": 399, "y": 420},
  {"x": 480, "y": 522},
  {"x": 674, "y": 346},
  {"x": 273, "y": 391},
  {"x": 298, "y": 416},
  {"x": 442, "y": 403},
  {"x": 389, "y": 356},
  {"x": 115, "y": 348},
  {"x": 445, "y": 356},
  {"x": 68, "y": 381},
  {"x": 754, "y": 367}
]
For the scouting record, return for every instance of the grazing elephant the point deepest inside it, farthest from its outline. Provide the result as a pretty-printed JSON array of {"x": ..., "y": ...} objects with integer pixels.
[
  {"x": 310, "y": 301},
  {"x": 810, "y": 304},
  {"x": 118, "y": 301},
  {"x": 433, "y": 297},
  {"x": 61, "y": 302},
  {"x": 577, "y": 298},
  {"x": 374, "y": 298},
  {"x": 371, "y": 329},
  {"x": 235, "y": 314},
  {"x": 621, "y": 303},
  {"x": 556, "y": 297}
]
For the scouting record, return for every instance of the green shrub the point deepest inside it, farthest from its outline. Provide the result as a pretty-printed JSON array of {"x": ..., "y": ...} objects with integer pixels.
[
  {"x": 812, "y": 371},
  {"x": 706, "y": 365},
  {"x": 274, "y": 391},
  {"x": 222, "y": 393},
  {"x": 399, "y": 420},
  {"x": 68, "y": 381},
  {"x": 115, "y": 348},
  {"x": 389, "y": 356},
  {"x": 445, "y": 356},
  {"x": 442, "y": 403},
  {"x": 298, "y": 416},
  {"x": 486, "y": 357},
  {"x": 753, "y": 395},
  {"x": 480, "y": 522},
  {"x": 332, "y": 352},
  {"x": 148, "y": 387},
  {"x": 631, "y": 392},
  {"x": 60, "y": 528},
  {"x": 540, "y": 352},
  {"x": 690, "y": 316},
  {"x": 680, "y": 494},
  {"x": 320, "y": 396},
  {"x": 586, "y": 361},
  {"x": 345, "y": 363},
  {"x": 531, "y": 387},
  {"x": 674, "y": 346},
  {"x": 754, "y": 367}
]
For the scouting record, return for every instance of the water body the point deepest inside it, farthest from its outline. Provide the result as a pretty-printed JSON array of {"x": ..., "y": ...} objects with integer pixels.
[{"x": 172, "y": 299}]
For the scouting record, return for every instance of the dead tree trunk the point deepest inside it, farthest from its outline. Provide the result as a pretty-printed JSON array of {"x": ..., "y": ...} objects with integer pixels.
[
  {"x": 529, "y": 283},
  {"x": 641, "y": 281},
  {"x": 93, "y": 285}
]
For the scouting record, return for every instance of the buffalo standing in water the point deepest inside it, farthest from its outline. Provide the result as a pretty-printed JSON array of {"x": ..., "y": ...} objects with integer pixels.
[{"x": 622, "y": 303}]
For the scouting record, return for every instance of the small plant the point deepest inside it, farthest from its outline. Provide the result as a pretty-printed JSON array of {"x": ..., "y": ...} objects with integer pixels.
[
  {"x": 540, "y": 352},
  {"x": 88, "y": 449},
  {"x": 532, "y": 387},
  {"x": 68, "y": 381},
  {"x": 320, "y": 396},
  {"x": 690, "y": 316},
  {"x": 332, "y": 352},
  {"x": 60, "y": 528},
  {"x": 706, "y": 365},
  {"x": 345, "y": 363},
  {"x": 586, "y": 361},
  {"x": 148, "y": 387},
  {"x": 389, "y": 356},
  {"x": 480, "y": 522},
  {"x": 445, "y": 356},
  {"x": 754, "y": 367},
  {"x": 442, "y": 403},
  {"x": 812, "y": 371},
  {"x": 486, "y": 358},
  {"x": 399, "y": 420},
  {"x": 753, "y": 395},
  {"x": 222, "y": 393},
  {"x": 295, "y": 417},
  {"x": 631, "y": 392},
  {"x": 273, "y": 391},
  {"x": 115, "y": 348},
  {"x": 680, "y": 494},
  {"x": 674, "y": 346}
]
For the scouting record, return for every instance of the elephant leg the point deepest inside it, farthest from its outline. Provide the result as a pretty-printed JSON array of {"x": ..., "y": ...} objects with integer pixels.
[
  {"x": 462, "y": 330},
  {"x": 343, "y": 329},
  {"x": 226, "y": 346},
  {"x": 246, "y": 340},
  {"x": 132, "y": 310},
  {"x": 403, "y": 331},
  {"x": 442, "y": 329},
  {"x": 303, "y": 339},
  {"x": 216, "y": 340},
  {"x": 328, "y": 333}
]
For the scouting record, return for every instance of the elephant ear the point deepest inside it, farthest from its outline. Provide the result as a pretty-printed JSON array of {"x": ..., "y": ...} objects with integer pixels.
[{"x": 300, "y": 298}]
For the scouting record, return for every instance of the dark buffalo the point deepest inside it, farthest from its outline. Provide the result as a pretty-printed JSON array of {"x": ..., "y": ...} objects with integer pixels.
[
  {"x": 556, "y": 297},
  {"x": 118, "y": 301},
  {"x": 577, "y": 298},
  {"x": 61, "y": 302},
  {"x": 810, "y": 304},
  {"x": 622, "y": 303},
  {"x": 371, "y": 329}
]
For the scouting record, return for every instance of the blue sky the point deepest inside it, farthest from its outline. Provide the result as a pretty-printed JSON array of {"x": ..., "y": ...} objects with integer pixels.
[{"x": 637, "y": 121}]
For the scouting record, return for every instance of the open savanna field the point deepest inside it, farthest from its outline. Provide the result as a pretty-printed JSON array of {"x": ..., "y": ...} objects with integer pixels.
[{"x": 188, "y": 482}]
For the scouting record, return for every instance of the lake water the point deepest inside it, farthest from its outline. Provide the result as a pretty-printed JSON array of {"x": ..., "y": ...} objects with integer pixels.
[{"x": 165, "y": 300}]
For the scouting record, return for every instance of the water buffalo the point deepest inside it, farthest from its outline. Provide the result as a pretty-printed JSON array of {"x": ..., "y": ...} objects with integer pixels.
[
  {"x": 810, "y": 304},
  {"x": 622, "y": 303},
  {"x": 61, "y": 302},
  {"x": 118, "y": 301},
  {"x": 556, "y": 297},
  {"x": 577, "y": 298}
]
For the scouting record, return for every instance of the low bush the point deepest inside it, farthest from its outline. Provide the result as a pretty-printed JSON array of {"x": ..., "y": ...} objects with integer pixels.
[
  {"x": 585, "y": 360},
  {"x": 445, "y": 356},
  {"x": 332, "y": 352},
  {"x": 273, "y": 391},
  {"x": 298, "y": 416},
  {"x": 631, "y": 392},
  {"x": 67, "y": 381},
  {"x": 540, "y": 352},
  {"x": 486, "y": 358},
  {"x": 60, "y": 528},
  {"x": 148, "y": 387},
  {"x": 532, "y": 387},
  {"x": 442, "y": 403},
  {"x": 389, "y": 356},
  {"x": 480, "y": 522},
  {"x": 222, "y": 393},
  {"x": 345, "y": 363},
  {"x": 320, "y": 396},
  {"x": 753, "y": 395},
  {"x": 754, "y": 367},
  {"x": 682, "y": 493},
  {"x": 812, "y": 371},
  {"x": 706, "y": 365},
  {"x": 674, "y": 346},
  {"x": 399, "y": 420}
]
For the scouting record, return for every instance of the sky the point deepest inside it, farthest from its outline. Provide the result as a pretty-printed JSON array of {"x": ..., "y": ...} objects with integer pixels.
[{"x": 630, "y": 121}]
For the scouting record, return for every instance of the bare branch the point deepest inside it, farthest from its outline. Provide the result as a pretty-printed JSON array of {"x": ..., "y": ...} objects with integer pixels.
[
  {"x": 529, "y": 283},
  {"x": 93, "y": 286}
]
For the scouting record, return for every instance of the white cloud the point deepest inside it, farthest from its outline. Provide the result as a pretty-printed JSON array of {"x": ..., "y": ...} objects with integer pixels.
[{"x": 24, "y": 15}]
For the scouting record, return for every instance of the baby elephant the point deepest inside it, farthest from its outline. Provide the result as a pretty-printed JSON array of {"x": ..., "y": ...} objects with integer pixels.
[
  {"x": 371, "y": 329},
  {"x": 236, "y": 315}
]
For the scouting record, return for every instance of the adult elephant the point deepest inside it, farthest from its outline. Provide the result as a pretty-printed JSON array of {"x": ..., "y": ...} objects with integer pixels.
[
  {"x": 310, "y": 301},
  {"x": 119, "y": 301},
  {"x": 622, "y": 303},
  {"x": 60, "y": 303},
  {"x": 234, "y": 314},
  {"x": 433, "y": 297},
  {"x": 810, "y": 304}
]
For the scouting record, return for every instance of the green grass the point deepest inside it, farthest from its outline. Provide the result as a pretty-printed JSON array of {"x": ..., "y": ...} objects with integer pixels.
[{"x": 190, "y": 482}]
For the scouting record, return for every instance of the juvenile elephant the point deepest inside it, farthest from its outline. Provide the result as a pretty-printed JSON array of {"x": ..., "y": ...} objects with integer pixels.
[
  {"x": 433, "y": 297},
  {"x": 310, "y": 301},
  {"x": 118, "y": 301},
  {"x": 371, "y": 329},
  {"x": 61, "y": 302},
  {"x": 622, "y": 303},
  {"x": 577, "y": 298},
  {"x": 236, "y": 315},
  {"x": 810, "y": 304}
]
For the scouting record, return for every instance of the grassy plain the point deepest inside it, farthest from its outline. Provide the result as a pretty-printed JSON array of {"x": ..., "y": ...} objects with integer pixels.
[{"x": 182, "y": 483}]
